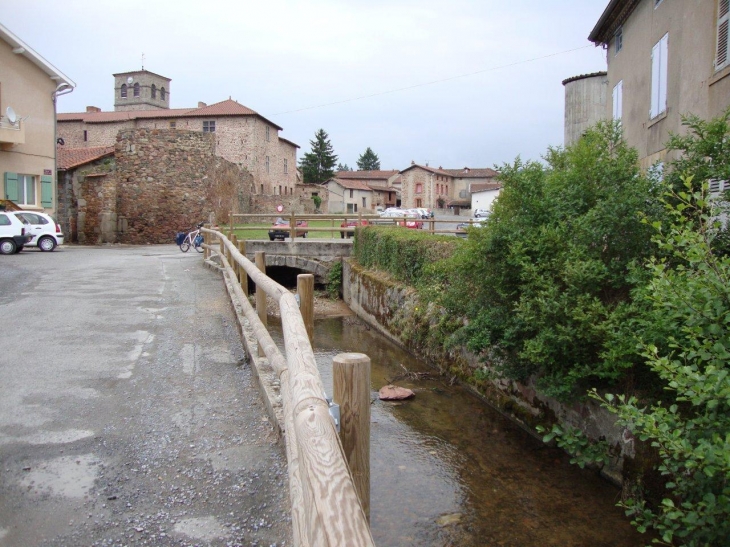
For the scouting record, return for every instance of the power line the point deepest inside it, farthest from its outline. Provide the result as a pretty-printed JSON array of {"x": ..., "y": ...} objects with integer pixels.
[{"x": 434, "y": 81}]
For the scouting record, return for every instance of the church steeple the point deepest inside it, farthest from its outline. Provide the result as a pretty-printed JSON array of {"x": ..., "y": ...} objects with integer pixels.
[{"x": 141, "y": 90}]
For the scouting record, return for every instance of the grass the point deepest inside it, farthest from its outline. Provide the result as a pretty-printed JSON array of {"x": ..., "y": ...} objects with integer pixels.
[{"x": 261, "y": 230}]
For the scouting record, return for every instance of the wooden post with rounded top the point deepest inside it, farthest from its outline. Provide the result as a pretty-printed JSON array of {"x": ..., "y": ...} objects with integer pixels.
[
  {"x": 351, "y": 385},
  {"x": 244, "y": 275},
  {"x": 260, "y": 261},
  {"x": 206, "y": 240},
  {"x": 305, "y": 290}
]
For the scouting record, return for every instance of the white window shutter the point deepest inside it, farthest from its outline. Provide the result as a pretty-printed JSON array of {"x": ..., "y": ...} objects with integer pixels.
[
  {"x": 655, "y": 57},
  {"x": 663, "y": 69},
  {"x": 618, "y": 100},
  {"x": 723, "y": 19}
]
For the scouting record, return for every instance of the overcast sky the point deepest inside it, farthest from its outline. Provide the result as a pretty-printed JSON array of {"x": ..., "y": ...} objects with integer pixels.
[{"x": 451, "y": 82}]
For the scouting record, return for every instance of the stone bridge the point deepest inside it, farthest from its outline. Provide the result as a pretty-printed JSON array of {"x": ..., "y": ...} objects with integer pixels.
[{"x": 314, "y": 256}]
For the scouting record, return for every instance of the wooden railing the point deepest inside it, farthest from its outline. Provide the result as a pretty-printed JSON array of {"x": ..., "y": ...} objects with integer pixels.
[
  {"x": 325, "y": 507},
  {"x": 243, "y": 222}
]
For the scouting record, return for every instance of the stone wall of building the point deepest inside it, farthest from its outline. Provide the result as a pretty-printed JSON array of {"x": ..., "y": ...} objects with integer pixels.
[{"x": 168, "y": 180}]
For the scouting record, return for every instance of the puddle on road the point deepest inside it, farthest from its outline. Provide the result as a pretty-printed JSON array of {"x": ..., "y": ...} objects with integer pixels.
[
  {"x": 68, "y": 476},
  {"x": 446, "y": 469}
]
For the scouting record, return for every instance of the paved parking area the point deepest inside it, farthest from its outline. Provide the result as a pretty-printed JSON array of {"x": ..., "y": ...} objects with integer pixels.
[{"x": 127, "y": 413}]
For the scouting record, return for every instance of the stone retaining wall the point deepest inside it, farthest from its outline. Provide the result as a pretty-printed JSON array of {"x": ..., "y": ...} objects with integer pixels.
[{"x": 387, "y": 306}]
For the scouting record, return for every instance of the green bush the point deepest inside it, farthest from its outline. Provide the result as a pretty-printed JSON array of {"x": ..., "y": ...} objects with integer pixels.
[{"x": 546, "y": 284}]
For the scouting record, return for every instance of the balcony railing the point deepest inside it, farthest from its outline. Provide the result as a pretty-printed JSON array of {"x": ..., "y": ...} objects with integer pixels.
[{"x": 12, "y": 133}]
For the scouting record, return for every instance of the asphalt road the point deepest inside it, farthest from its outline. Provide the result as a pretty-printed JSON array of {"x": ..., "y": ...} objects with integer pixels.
[{"x": 127, "y": 413}]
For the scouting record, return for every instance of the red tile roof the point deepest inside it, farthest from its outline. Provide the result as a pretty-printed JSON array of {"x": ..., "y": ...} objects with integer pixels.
[
  {"x": 482, "y": 186},
  {"x": 366, "y": 174},
  {"x": 427, "y": 168},
  {"x": 472, "y": 173},
  {"x": 290, "y": 142},
  {"x": 224, "y": 108},
  {"x": 68, "y": 158},
  {"x": 350, "y": 184}
]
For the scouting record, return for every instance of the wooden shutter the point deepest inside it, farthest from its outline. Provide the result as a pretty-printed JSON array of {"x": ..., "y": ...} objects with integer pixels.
[
  {"x": 47, "y": 191},
  {"x": 723, "y": 18},
  {"x": 11, "y": 187},
  {"x": 618, "y": 92},
  {"x": 659, "y": 66}
]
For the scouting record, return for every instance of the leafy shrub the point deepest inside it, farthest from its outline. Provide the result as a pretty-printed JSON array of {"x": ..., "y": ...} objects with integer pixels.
[{"x": 546, "y": 284}]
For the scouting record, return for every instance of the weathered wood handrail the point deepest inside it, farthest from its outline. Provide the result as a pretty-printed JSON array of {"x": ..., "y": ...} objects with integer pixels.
[{"x": 326, "y": 510}]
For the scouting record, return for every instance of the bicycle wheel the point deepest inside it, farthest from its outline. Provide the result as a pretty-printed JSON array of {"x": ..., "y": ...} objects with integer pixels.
[
  {"x": 199, "y": 248},
  {"x": 185, "y": 245}
]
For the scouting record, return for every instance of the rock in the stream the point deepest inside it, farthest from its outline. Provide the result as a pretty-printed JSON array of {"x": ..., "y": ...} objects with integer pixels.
[{"x": 395, "y": 393}]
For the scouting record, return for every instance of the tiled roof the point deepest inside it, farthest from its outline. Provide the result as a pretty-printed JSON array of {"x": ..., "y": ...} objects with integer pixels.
[
  {"x": 352, "y": 184},
  {"x": 459, "y": 203},
  {"x": 584, "y": 76},
  {"x": 224, "y": 108},
  {"x": 427, "y": 168},
  {"x": 483, "y": 186},
  {"x": 469, "y": 173},
  {"x": 290, "y": 142},
  {"x": 68, "y": 158},
  {"x": 366, "y": 174}
]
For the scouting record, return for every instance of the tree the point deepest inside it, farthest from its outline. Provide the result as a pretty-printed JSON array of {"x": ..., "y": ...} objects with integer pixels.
[
  {"x": 547, "y": 282},
  {"x": 318, "y": 165},
  {"x": 345, "y": 167},
  {"x": 368, "y": 161}
]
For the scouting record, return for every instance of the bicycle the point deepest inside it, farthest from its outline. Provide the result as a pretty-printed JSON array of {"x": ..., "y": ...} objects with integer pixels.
[{"x": 192, "y": 239}]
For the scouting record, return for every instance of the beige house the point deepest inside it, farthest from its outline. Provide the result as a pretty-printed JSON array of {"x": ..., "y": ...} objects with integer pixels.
[
  {"x": 424, "y": 186},
  {"x": 382, "y": 183},
  {"x": 242, "y": 136},
  {"x": 29, "y": 88},
  {"x": 666, "y": 58},
  {"x": 349, "y": 196}
]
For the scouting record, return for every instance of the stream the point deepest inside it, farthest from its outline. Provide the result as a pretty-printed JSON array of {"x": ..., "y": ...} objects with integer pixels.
[{"x": 448, "y": 470}]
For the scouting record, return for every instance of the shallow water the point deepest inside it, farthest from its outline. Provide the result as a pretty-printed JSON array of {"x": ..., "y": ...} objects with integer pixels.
[{"x": 446, "y": 469}]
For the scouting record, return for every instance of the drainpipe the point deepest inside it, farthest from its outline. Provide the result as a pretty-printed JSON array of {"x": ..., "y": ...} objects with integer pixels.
[{"x": 61, "y": 89}]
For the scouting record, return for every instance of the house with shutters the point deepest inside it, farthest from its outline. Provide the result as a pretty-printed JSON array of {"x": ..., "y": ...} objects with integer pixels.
[
  {"x": 242, "y": 136},
  {"x": 29, "y": 89},
  {"x": 384, "y": 186},
  {"x": 666, "y": 59},
  {"x": 439, "y": 188}
]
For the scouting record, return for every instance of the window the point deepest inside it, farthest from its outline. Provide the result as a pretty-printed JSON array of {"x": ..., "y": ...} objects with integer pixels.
[
  {"x": 162, "y": 93},
  {"x": 419, "y": 188},
  {"x": 280, "y": 189},
  {"x": 20, "y": 188},
  {"x": 262, "y": 188},
  {"x": 268, "y": 138},
  {"x": 267, "y": 165},
  {"x": 364, "y": 203},
  {"x": 173, "y": 125},
  {"x": 618, "y": 100},
  {"x": 286, "y": 167},
  {"x": 419, "y": 202},
  {"x": 350, "y": 193},
  {"x": 618, "y": 40},
  {"x": 136, "y": 89},
  {"x": 86, "y": 135},
  {"x": 659, "y": 56},
  {"x": 123, "y": 91},
  {"x": 723, "y": 15},
  {"x": 153, "y": 90},
  {"x": 208, "y": 126}
]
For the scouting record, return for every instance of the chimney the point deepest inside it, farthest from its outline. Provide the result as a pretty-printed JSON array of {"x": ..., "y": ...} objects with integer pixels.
[
  {"x": 413, "y": 162},
  {"x": 93, "y": 109},
  {"x": 201, "y": 104}
]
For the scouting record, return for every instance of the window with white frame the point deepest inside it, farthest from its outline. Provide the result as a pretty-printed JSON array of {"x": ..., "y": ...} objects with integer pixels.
[
  {"x": 618, "y": 100},
  {"x": 659, "y": 65},
  {"x": 618, "y": 40},
  {"x": 19, "y": 188},
  {"x": 723, "y": 15}
]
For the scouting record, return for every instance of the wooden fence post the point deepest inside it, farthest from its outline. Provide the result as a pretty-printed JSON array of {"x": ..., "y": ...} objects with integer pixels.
[
  {"x": 351, "y": 385},
  {"x": 305, "y": 290},
  {"x": 244, "y": 275},
  {"x": 260, "y": 261},
  {"x": 230, "y": 225}
]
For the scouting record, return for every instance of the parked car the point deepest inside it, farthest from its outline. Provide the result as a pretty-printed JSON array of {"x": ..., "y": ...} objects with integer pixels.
[
  {"x": 13, "y": 234},
  {"x": 425, "y": 213},
  {"x": 461, "y": 228},
  {"x": 45, "y": 230},
  {"x": 412, "y": 220},
  {"x": 349, "y": 224},
  {"x": 280, "y": 229},
  {"x": 482, "y": 213}
]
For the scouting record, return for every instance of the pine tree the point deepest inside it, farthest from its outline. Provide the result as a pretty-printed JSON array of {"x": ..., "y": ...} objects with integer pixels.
[
  {"x": 345, "y": 167},
  {"x": 318, "y": 165},
  {"x": 368, "y": 161}
]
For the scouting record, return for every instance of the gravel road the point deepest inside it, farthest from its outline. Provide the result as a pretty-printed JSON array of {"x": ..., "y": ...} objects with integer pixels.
[{"x": 127, "y": 413}]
